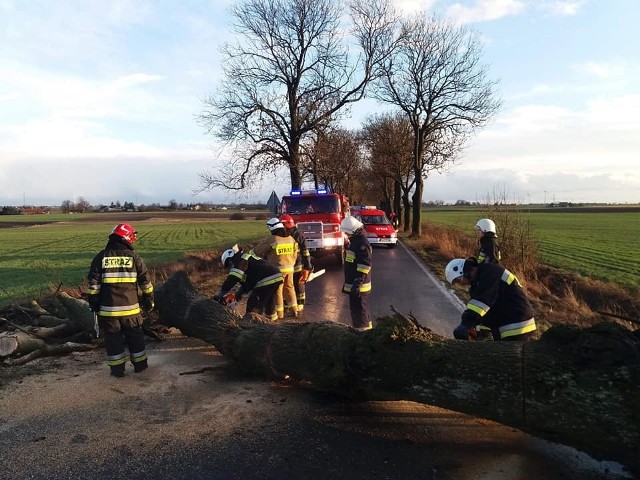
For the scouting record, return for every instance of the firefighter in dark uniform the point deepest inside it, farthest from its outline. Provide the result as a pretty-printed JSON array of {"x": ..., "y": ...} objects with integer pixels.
[
  {"x": 497, "y": 301},
  {"x": 115, "y": 275},
  {"x": 489, "y": 251},
  {"x": 303, "y": 267},
  {"x": 255, "y": 275},
  {"x": 357, "y": 273}
]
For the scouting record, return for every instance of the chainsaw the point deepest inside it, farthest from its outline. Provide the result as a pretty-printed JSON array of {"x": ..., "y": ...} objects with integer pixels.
[
  {"x": 229, "y": 300},
  {"x": 314, "y": 275}
]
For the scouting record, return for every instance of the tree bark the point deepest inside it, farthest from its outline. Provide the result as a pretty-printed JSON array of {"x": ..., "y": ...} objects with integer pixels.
[
  {"x": 577, "y": 387},
  {"x": 19, "y": 342},
  {"x": 51, "y": 350}
]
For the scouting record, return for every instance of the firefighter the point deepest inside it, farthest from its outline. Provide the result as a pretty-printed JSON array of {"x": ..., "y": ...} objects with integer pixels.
[
  {"x": 281, "y": 250},
  {"x": 255, "y": 275},
  {"x": 303, "y": 267},
  {"x": 497, "y": 301},
  {"x": 357, "y": 273},
  {"x": 394, "y": 219},
  {"x": 489, "y": 251},
  {"x": 115, "y": 275}
]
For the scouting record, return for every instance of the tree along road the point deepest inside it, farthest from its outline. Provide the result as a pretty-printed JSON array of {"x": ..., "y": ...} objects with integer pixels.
[
  {"x": 191, "y": 416},
  {"x": 399, "y": 279}
]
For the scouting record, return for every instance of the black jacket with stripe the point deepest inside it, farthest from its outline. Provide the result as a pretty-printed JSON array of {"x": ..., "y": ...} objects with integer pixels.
[
  {"x": 251, "y": 272},
  {"x": 114, "y": 277},
  {"x": 498, "y": 302},
  {"x": 357, "y": 265}
]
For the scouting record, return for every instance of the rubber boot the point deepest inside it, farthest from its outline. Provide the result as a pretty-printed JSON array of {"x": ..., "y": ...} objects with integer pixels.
[{"x": 140, "y": 366}]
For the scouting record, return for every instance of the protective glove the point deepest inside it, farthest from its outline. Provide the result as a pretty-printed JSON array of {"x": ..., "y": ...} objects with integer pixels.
[
  {"x": 355, "y": 287},
  {"x": 239, "y": 294},
  {"x": 147, "y": 304},
  {"x": 304, "y": 276},
  {"x": 218, "y": 295},
  {"x": 94, "y": 303},
  {"x": 461, "y": 332}
]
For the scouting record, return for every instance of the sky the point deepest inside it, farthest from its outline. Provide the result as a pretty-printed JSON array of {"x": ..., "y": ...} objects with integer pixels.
[{"x": 99, "y": 100}]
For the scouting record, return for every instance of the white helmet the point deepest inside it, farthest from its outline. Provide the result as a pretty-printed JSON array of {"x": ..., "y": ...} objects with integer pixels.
[
  {"x": 226, "y": 255},
  {"x": 485, "y": 225},
  {"x": 229, "y": 253},
  {"x": 454, "y": 269},
  {"x": 274, "y": 224},
  {"x": 350, "y": 225}
]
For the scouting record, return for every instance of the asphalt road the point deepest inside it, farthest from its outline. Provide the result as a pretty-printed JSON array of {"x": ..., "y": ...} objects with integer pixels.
[{"x": 399, "y": 279}]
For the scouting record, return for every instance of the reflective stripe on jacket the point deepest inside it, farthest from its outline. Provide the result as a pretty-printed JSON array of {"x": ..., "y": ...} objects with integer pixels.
[
  {"x": 114, "y": 277},
  {"x": 357, "y": 264},
  {"x": 498, "y": 302},
  {"x": 251, "y": 272},
  {"x": 280, "y": 251}
]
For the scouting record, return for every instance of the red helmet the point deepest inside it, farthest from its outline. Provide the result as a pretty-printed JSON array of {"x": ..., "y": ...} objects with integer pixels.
[
  {"x": 287, "y": 221},
  {"x": 125, "y": 231}
]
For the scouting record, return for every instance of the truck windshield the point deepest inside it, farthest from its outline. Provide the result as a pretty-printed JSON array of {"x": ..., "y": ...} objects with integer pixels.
[
  {"x": 375, "y": 220},
  {"x": 310, "y": 204}
]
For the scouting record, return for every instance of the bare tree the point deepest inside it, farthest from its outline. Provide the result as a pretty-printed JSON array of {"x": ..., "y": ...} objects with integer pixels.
[
  {"x": 389, "y": 141},
  {"x": 335, "y": 160},
  {"x": 290, "y": 74},
  {"x": 436, "y": 79}
]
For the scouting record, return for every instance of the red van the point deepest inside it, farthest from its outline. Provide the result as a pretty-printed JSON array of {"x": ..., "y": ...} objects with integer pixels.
[{"x": 378, "y": 227}]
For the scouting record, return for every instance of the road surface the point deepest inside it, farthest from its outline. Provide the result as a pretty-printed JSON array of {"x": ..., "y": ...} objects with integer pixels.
[{"x": 399, "y": 279}]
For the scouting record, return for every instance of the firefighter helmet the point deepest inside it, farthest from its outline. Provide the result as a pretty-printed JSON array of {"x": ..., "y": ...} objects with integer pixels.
[
  {"x": 287, "y": 221},
  {"x": 274, "y": 224},
  {"x": 486, "y": 225},
  {"x": 350, "y": 225},
  {"x": 125, "y": 231},
  {"x": 454, "y": 269},
  {"x": 227, "y": 255}
]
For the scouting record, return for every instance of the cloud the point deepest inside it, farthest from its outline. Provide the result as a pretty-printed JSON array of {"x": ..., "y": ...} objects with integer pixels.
[
  {"x": 485, "y": 10},
  {"x": 566, "y": 8},
  {"x": 603, "y": 70}
]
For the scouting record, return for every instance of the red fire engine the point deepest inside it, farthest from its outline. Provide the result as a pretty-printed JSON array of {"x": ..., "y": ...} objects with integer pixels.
[{"x": 318, "y": 214}]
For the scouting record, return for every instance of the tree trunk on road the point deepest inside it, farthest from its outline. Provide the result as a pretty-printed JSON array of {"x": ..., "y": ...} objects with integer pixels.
[{"x": 576, "y": 387}]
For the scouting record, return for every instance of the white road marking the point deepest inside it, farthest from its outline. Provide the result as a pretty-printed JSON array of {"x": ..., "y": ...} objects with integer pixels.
[{"x": 449, "y": 295}]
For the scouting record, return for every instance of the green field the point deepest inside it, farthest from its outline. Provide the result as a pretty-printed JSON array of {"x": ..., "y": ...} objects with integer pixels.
[
  {"x": 598, "y": 243},
  {"x": 41, "y": 251},
  {"x": 34, "y": 257}
]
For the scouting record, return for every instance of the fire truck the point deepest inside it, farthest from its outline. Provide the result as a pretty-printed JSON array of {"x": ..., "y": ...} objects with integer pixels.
[{"x": 318, "y": 214}]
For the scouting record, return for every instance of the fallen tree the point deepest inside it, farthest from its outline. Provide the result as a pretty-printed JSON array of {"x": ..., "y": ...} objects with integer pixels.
[
  {"x": 573, "y": 386},
  {"x": 44, "y": 334}
]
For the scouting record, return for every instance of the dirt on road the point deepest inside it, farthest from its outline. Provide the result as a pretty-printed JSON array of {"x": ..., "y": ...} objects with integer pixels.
[{"x": 191, "y": 416}]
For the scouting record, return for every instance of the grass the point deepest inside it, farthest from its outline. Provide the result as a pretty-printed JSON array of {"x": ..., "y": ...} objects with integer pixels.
[
  {"x": 601, "y": 245},
  {"x": 36, "y": 259}
]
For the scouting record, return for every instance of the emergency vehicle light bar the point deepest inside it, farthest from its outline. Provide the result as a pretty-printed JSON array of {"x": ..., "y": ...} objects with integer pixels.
[
  {"x": 368, "y": 207},
  {"x": 302, "y": 192}
]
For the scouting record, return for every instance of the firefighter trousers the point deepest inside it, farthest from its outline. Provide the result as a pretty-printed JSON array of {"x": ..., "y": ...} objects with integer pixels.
[
  {"x": 359, "y": 308},
  {"x": 262, "y": 300},
  {"x": 286, "y": 297},
  {"x": 300, "y": 290},
  {"x": 116, "y": 331}
]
